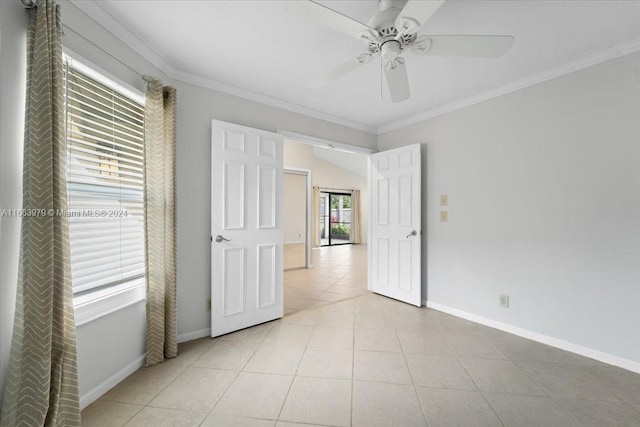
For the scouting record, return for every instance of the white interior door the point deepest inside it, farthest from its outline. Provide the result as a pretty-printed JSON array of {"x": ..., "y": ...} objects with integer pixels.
[
  {"x": 394, "y": 266},
  {"x": 246, "y": 227}
]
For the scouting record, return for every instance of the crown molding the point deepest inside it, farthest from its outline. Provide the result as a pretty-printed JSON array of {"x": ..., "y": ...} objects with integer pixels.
[
  {"x": 268, "y": 100},
  {"x": 103, "y": 18},
  {"x": 617, "y": 51},
  {"x": 108, "y": 22}
]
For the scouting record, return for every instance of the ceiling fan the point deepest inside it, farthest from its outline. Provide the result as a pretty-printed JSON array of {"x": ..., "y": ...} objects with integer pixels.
[{"x": 392, "y": 32}]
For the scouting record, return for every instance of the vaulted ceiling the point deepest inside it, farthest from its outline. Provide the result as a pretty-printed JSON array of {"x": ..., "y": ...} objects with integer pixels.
[{"x": 264, "y": 50}]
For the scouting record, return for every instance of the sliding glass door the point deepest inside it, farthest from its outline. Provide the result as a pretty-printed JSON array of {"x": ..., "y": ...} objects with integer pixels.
[{"x": 335, "y": 218}]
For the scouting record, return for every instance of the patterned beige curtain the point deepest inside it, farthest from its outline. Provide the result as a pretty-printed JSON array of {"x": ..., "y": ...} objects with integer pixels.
[
  {"x": 42, "y": 384},
  {"x": 356, "y": 227},
  {"x": 160, "y": 220},
  {"x": 315, "y": 217}
]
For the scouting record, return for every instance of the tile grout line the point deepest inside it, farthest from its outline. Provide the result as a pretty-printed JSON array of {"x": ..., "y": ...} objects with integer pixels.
[
  {"x": 237, "y": 372},
  {"x": 507, "y": 393},
  {"x": 353, "y": 362},
  {"x": 607, "y": 385},
  {"x": 455, "y": 355},
  {"x": 142, "y": 407},
  {"x": 549, "y": 395},
  {"x": 128, "y": 419},
  {"x": 295, "y": 374},
  {"x": 413, "y": 381}
]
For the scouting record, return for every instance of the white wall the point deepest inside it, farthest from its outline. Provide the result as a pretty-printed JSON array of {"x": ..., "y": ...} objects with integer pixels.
[
  {"x": 294, "y": 207},
  {"x": 13, "y": 38},
  {"x": 197, "y": 106},
  {"x": 356, "y": 163},
  {"x": 326, "y": 174},
  {"x": 544, "y": 205}
]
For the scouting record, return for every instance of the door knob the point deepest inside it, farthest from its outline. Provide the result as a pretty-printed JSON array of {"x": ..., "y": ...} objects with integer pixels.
[
  {"x": 413, "y": 233},
  {"x": 219, "y": 239}
]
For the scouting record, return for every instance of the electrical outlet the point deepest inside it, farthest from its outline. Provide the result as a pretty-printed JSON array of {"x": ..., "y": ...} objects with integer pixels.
[
  {"x": 444, "y": 216},
  {"x": 444, "y": 200},
  {"x": 503, "y": 300},
  {"x": 208, "y": 304}
]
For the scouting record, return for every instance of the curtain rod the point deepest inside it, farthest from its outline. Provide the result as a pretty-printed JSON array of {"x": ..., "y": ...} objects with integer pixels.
[{"x": 29, "y": 4}]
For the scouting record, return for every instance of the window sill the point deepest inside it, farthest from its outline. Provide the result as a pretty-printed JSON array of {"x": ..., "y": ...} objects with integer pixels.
[{"x": 95, "y": 305}]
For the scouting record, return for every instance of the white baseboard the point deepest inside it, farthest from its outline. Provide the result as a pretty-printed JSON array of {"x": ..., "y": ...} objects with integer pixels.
[
  {"x": 541, "y": 338},
  {"x": 297, "y": 242},
  {"x": 93, "y": 395},
  {"x": 194, "y": 335}
]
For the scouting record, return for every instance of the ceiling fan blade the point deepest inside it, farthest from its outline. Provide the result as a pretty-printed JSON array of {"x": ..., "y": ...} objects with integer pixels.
[
  {"x": 414, "y": 15},
  {"x": 397, "y": 80},
  {"x": 341, "y": 70},
  {"x": 474, "y": 46},
  {"x": 332, "y": 19}
]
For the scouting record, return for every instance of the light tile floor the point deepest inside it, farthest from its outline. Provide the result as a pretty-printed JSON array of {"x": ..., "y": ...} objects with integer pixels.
[
  {"x": 338, "y": 273},
  {"x": 371, "y": 361},
  {"x": 368, "y": 361}
]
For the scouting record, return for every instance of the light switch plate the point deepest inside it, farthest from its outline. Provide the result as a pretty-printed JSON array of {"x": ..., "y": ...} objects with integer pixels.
[
  {"x": 444, "y": 200},
  {"x": 444, "y": 216}
]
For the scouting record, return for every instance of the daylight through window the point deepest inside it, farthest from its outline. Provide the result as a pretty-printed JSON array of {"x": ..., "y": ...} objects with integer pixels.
[{"x": 104, "y": 131}]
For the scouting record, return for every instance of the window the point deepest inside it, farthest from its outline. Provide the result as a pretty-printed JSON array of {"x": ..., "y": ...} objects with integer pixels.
[{"x": 104, "y": 183}]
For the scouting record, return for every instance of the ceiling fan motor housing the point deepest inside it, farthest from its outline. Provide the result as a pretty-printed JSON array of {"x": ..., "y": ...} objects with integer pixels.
[{"x": 384, "y": 23}]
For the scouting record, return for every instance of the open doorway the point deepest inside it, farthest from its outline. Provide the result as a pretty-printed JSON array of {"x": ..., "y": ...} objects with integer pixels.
[
  {"x": 337, "y": 269},
  {"x": 335, "y": 218},
  {"x": 296, "y": 201}
]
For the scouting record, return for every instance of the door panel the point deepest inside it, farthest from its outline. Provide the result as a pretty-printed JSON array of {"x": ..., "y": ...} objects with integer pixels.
[
  {"x": 267, "y": 196},
  {"x": 395, "y": 215},
  {"x": 266, "y": 275},
  {"x": 246, "y": 214},
  {"x": 233, "y": 196}
]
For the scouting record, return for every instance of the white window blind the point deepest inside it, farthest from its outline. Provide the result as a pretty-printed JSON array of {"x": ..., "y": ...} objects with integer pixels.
[{"x": 104, "y": 183}]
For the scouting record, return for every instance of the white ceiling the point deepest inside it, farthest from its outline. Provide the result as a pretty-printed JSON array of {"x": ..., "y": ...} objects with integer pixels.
[{"x": 261, "y": 49}]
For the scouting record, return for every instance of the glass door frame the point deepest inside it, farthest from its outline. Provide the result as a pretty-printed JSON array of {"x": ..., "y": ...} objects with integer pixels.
[{"x": 327, "y": 214}]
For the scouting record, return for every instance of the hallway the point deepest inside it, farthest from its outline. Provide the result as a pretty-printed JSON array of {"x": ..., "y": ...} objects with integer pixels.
[{"x": 339, "y": 272}]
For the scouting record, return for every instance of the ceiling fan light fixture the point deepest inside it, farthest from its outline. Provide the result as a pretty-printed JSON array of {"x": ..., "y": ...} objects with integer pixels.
[
  {"x": 364, "y": 58},
  {"x": 390, "y": 50},
  {"x": 369, "y": 35},
  {"x": 407, "y": 25},
  {"x": 421, "y": 45},
  {"x": 393, "y": 64}
]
